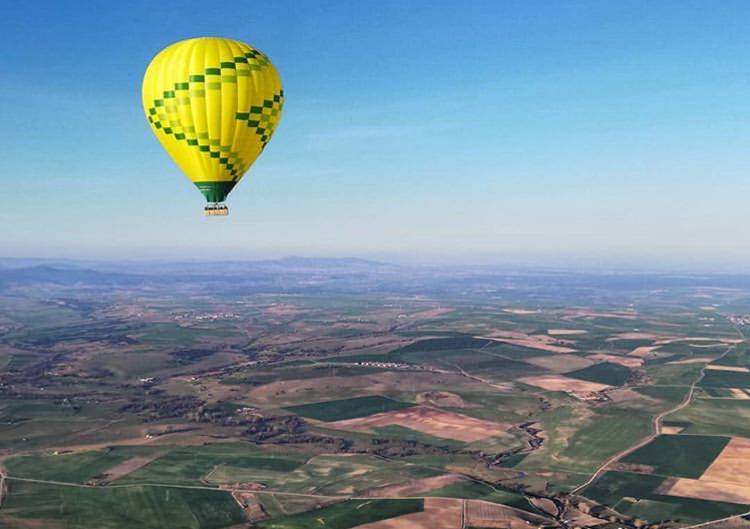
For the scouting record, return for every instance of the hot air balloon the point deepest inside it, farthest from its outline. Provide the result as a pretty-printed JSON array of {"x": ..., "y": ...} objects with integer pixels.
[{"x": 213, "y": 104}]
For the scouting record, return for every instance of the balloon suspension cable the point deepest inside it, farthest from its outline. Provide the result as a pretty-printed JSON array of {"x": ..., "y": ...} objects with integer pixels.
[{"x": 216, "y": 209}]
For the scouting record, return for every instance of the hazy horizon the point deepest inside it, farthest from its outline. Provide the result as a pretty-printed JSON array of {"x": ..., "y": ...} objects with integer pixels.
[{"x": 564, "y": 263}]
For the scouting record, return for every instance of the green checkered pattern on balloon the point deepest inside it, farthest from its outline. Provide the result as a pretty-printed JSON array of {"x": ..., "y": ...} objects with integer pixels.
[{"x": 262, "y": 118}]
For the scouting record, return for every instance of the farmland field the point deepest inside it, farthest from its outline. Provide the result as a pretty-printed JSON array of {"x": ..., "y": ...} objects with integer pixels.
[
  {"x": 75, "y": 468},
  {"x": 686, "y": 456},
  {"x": 637, "y": 494},
  {"x": 337, "y": 410},
  {"x": 296, "y": 394},
  {"x": 141, "y": 506},
  {"x": 716, "y": 417},
  {"x": 189, "y": 464},
  {"x": 726, "y": 379},
  {"x": 604, "y": 373},
  {"x": 347, "y": 514}
]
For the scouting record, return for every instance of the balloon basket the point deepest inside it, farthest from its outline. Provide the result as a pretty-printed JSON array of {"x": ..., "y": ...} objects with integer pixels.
[{"x": 216, "y": 210}]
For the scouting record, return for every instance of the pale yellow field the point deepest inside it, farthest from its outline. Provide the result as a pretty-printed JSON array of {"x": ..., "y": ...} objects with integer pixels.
[
  {"x": 643, "y": 351},
  {"x": 696, "y": 360},
  {"x": 737, "y": 369},
  {"x": 563, "y": 383},
  {"x": 536, "y": 341},
  {"x": 432, "y": 421},
  {"x": 560, "y": 363},
  {"x": 671, "y": 430},
  {"x": 565, "y": 332},
  {"x": 626, "y": 361},
  {"x": 633, "y": 336}
]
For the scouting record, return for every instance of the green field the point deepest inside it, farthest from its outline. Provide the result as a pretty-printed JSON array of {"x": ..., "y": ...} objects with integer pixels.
[
  {"x": 139, "y": 507},
  {"x": 490, "y": 362},
  {"x": 394, "y": 431},
  {"x": 739, "y": 356},
  {"x": 725, "y": 379},
  {"x": 297, "y": 371},
  {"x": 671, "y": 394},
  {"x": 594, "y": 438},
  {"x": 684, "y": 456},
  {"x": 188, "y": 465},
  {"x": 28, "y": 424},
  {"x": 675, "y": 374},
  {"x": 716, "y": 417},
  {"x": 625, "y": 491},
  {"x": 472, "y": 490},
  {"x": 196, "y": 377},
  {"x": 346, "y": 514},
  {"x": 338, "y": 410},
  {"x": 717, "y": 393},
  {"x": 604, "y": 373},
  {"x": 72, "y": 468}
]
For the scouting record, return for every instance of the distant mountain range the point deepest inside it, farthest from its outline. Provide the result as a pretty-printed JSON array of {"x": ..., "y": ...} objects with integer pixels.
[{"x": 294, "y": 274}]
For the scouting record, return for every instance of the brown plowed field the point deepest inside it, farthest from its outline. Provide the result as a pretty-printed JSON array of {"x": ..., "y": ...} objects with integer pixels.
[{"x": 563, "y": 383}]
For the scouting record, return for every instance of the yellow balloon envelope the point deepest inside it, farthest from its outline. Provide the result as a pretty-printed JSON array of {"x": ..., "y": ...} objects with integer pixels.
[{"x": 214, "y": 104}]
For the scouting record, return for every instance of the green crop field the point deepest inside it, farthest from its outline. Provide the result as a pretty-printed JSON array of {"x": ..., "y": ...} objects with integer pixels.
[
  {"x": 675, "y": 374},
  {"x": 30, "y": 424},
  {"x": 346, "y": 514},
  {"x": 716, "y": 417},
  {"x": 490, "y": 362},
  {"x": 604, "y": 373},
  {"x": 624, "y": 491},
  {"x": 472, "y": 490},
  {"x": 684, "y": 456},
  {"x": 72, "y": 468},
  {"x": 613, "y": 486},
  {"x": 595, "y": 438},
  {"x": 739, "y": 356},
  {"x": 717, "y": 393},
  {"x": 337, "y": 410},
  {"x": 725, "y": 379},
  {"x": 671, "y": 394},
  {"x": 188, "y": 465},
  {"x": 515, "y": 351},
  {"x": 394, "y": 431},
  {"x": 119, "y": 508}
]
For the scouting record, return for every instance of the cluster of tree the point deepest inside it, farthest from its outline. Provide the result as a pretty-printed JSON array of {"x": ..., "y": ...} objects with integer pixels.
[
  {"x": 155, "y": 407},
  {"x": 616, "y": 519},
  {"x": 224, "y": 414},
  {"x": 280, "y": 429}
]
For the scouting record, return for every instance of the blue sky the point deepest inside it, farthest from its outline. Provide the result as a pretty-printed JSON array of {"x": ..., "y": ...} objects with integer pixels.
[{"x": 468, "y": 130}]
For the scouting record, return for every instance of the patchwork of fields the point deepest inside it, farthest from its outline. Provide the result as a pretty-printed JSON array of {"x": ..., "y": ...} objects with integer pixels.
[{"x": 471, "y": 403}]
